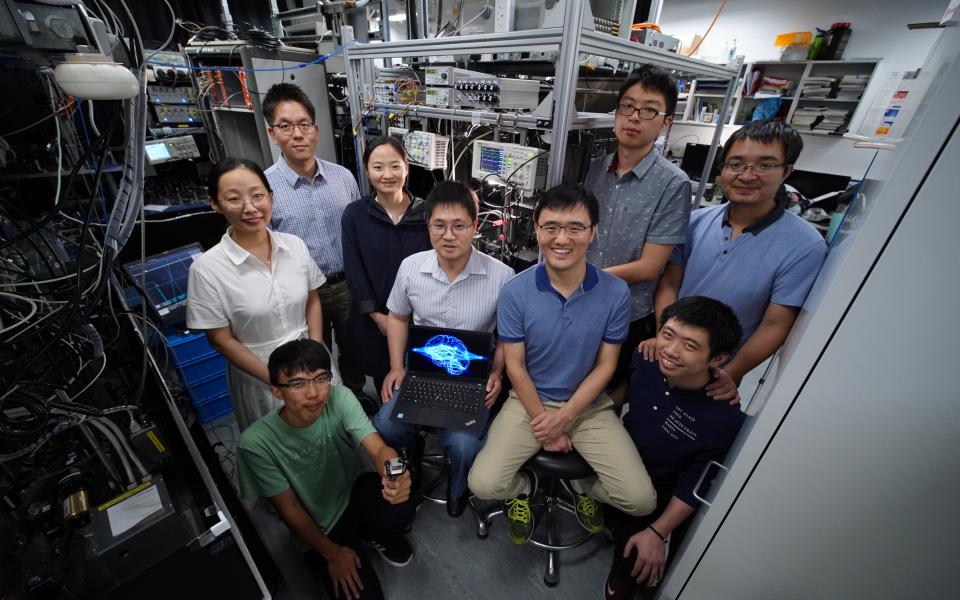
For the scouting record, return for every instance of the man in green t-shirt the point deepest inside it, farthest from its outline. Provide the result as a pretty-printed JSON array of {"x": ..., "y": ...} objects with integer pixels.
[{"x": 303, "y": 458}]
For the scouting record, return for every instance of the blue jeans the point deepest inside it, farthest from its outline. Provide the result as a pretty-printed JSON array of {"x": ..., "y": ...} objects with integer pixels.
[{"x": 461, "y": 446}]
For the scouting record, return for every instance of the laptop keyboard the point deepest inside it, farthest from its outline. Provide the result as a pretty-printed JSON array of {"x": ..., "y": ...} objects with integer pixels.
[{"x": 432, "y": 393}]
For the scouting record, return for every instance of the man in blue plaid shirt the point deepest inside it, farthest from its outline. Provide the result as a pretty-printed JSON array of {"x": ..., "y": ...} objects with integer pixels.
[{"x": 309, "y": 198}]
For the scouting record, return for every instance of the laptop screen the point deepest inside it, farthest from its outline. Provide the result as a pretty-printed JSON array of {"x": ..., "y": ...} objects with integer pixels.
[
  {"x": 165, "y": 281},
  {"x": 449, "y": 353}
]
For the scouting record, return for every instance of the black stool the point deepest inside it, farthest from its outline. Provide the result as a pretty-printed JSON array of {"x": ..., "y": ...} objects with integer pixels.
[{"x": 550, "y": 473}]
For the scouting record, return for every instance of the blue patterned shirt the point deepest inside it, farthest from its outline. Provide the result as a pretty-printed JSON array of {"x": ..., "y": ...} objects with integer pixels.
[{"x": 311, "y": 210}]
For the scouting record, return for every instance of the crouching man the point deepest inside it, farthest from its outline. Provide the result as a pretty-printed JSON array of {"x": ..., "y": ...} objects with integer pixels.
[
  {"x": 303, "y": 458},
  {"x": 677, "y": 429}
]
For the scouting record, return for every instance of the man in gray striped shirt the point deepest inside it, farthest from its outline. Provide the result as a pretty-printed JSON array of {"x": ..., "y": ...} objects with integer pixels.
[{"x": 452, "y": 286}]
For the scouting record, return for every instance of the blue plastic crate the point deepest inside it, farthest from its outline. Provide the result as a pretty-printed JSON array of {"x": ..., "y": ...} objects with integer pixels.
[
  {"x": 207, "y": 389},
  {"x": 214, "y": 408},
  {"x": 186, "y": 347},
  {"x": 202, "y": 368}
]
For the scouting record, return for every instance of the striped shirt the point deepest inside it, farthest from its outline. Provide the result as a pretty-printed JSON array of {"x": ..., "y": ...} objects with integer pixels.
[
  {"x": 469, "y": 303},
  {"x": 311, "y": 210}
]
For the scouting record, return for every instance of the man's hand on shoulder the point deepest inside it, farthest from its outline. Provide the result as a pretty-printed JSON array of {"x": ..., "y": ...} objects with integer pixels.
[
  {"x": 343, "y": 567},
  {"x": 648, "y": 348},
  {"x": 723, "y": 387},
  {"x": 391, "y": 383}
]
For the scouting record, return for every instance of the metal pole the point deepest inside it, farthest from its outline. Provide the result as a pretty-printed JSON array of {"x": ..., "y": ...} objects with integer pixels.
[
  {"x": 568, "y": 67},
  {"x": 721, "y": 121}
]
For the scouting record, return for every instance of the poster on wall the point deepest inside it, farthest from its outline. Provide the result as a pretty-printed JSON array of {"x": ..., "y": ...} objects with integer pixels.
[{"x": 895, "y": 104}]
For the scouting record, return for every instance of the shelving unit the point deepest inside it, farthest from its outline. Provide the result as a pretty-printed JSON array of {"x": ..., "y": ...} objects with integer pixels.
[
  {"x": 801, "y": 74},
  {"x": 558, "y": 115}
]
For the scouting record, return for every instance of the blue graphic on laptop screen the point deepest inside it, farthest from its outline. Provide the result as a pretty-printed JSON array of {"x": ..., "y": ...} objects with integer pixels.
[{"x": 448, "y": 353}]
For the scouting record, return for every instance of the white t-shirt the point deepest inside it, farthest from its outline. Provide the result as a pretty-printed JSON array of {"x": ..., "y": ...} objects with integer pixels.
[{"x": 229, "y": 286}]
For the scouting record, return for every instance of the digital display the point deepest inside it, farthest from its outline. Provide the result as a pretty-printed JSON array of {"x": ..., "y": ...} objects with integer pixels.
[
  {"x": 165, "y": 280},
  {"x": 449, "y": 353},
  {"x": 491, "y": 159},
  {"x": 157, "y": 152}
]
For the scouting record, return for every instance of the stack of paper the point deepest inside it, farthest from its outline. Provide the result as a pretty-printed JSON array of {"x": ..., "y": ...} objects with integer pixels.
[
  {"x": 851, "y": 87},
  {"x": 773, "y": 87},
  {"x": 817, "y": 87},
  {"x": 806, "y": 117}
]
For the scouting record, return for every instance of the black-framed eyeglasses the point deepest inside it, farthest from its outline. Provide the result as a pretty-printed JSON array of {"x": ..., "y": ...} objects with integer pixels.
[
  {"x": 441, "y": 228},
  {"x": 737, "y": 167},
  {"x": 644, "y": 112},
  {"x": 287, "y": 128},
  {"x": 573, "y": 230},
  {"x": 300, "y": 384}
]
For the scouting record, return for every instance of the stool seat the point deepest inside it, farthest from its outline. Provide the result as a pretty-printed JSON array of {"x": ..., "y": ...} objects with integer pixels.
[{"x": 562, "y": 465}]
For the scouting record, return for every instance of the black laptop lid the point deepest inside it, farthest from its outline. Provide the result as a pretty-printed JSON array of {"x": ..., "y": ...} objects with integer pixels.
[
  {"x": 165, "y": 281},
  {"x": 449, "y": 353}
]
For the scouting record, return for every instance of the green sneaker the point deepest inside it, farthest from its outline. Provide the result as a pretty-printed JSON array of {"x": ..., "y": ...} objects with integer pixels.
[
  {"x": 589, "y": 513},
  {"x": 519, "y": 518}
]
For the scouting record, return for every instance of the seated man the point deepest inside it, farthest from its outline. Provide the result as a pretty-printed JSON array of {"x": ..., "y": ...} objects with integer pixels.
[
  {"x": 678, "y": 430},
  {"x": 561, "y": 324},
  {"x": 452, "y": 286},
  {"x": 303, "y": 459}
]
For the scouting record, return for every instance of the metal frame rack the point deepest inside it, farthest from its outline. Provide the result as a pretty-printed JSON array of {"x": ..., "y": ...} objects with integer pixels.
[{"x": 563, "y": 117}]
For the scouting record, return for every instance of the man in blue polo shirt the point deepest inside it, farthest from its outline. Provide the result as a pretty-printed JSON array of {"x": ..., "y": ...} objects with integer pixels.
[
  {"x": 748, "y": 253},
  {"x": 561, "y": 324},
  {"x": 677, "y": 430}
]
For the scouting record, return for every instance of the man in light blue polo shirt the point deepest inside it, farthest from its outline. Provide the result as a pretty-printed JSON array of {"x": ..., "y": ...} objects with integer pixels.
[
  {"x": 748, "y": 253},
  {"x": 561, "y": 324}
]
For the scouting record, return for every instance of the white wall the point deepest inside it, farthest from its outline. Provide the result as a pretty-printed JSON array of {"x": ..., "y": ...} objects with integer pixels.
[{"x": 879, "y": 31}]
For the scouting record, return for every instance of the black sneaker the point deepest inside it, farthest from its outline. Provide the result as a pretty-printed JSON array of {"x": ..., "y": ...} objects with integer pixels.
[
  {"x": 394, "y": 548},
  {"x": 619, "y": 588}
]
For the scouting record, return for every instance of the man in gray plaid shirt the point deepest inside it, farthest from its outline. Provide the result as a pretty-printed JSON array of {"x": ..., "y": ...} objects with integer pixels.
[{"x": 309, "y": 198}]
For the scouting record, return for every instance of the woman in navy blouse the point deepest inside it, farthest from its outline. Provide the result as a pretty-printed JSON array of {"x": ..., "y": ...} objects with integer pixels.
[{"x": 378, "y": 233}]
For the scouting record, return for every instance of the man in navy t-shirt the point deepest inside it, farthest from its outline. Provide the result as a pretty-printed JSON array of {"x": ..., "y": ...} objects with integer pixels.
[{"x": 677, "y": 430}]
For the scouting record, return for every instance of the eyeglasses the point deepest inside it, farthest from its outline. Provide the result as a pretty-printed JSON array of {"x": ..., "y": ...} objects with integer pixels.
[
  {"x": 300, "y": 384},
  {"x": 737, "y": 167},
  {"x": 644, "y": 112},
  {"x": 441, "y": 228},
  {"x": 287, "y": 128},
  {"x": 259, "y": 200},
  {"x": 573, "y": 230}
]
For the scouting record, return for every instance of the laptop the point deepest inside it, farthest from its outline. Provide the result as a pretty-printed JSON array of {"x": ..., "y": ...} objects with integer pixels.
[{"x": 447, "y": 371}]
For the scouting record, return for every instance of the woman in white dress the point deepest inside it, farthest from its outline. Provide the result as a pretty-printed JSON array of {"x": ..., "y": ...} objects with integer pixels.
[{"x": 255, "y": 290}]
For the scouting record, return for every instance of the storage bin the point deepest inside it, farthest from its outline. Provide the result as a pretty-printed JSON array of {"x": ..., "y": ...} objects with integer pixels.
[
  {"x": 208, "y": 389},
  {"x": 214, "y": 408},
  {"x": 202, "y": 368},
  {"x": 186, "y": 347}
]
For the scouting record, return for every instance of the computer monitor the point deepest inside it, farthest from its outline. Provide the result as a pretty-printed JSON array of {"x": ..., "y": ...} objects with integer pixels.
[
  {"x": 813, "y": 185},
  {"x": 694, "y": 158},
  {"x": 165, "y": 281}
]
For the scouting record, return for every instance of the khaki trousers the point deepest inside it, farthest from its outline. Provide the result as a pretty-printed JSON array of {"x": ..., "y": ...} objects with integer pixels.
[{"x": 597, "y": 434}]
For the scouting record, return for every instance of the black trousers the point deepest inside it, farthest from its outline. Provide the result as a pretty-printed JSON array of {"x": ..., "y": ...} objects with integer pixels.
[
  {"x": 643, "y": 328},
  {"x": 367, "y": 516}
]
